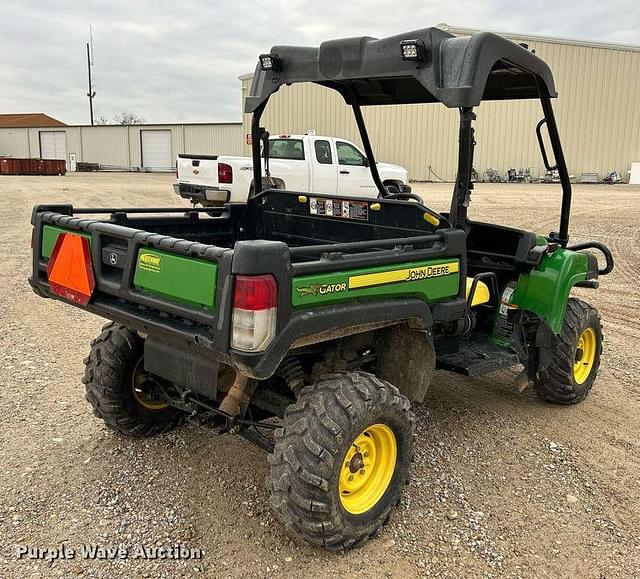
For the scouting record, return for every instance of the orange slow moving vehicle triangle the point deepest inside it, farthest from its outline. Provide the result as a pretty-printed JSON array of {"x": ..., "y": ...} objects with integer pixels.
[{"x": 70, "y": 271}]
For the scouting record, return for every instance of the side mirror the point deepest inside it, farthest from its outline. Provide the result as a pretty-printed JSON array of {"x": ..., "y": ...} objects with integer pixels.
[{"x": 366, "y": 162}]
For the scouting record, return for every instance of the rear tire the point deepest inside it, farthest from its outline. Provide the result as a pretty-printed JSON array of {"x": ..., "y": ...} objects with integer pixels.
[
  {"x": 341, "y": 460},
  {"x": 115, "y": 385},
  {"x": 576, "y": 360}
]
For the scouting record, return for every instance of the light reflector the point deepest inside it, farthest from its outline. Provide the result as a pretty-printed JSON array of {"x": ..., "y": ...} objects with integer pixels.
[{"x": 70, "y": 271}]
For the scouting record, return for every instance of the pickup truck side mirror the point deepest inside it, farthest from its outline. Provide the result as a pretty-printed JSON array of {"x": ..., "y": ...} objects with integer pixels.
[{"x": 366, "y": 162}]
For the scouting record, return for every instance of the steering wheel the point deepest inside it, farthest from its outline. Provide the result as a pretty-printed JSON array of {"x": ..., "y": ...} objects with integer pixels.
[{"x": 406, "y": 195}]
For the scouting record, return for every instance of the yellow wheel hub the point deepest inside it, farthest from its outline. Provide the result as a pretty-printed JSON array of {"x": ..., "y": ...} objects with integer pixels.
[
  {"x": 585, "y": 355},
  {"x": 140, "y": 390},
  {"x": 367, "y": 469}
]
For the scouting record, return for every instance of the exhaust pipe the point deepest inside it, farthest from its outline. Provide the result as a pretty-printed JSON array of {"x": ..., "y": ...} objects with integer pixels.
[{"x": 236, "y": 396}]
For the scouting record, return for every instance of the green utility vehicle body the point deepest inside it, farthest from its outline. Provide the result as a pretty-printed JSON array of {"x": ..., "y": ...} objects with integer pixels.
[
  {"x": 181, "y": 291},
  {"x": 331, "y": 313},
  {"x": 331, "y": 267}
]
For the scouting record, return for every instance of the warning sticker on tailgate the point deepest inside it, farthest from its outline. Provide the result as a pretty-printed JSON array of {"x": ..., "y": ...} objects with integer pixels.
[{"x": 339, "y": 208}]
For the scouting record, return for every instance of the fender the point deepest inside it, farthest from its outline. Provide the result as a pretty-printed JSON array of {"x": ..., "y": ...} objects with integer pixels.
[{"x": 545, "y": 289}]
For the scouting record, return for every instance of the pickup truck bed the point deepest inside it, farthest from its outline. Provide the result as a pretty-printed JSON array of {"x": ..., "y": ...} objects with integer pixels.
[{"x": 168, "y": 272}]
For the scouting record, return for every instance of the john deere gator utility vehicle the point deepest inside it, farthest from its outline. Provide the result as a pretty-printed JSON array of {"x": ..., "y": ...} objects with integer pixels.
[{"x": 322, "y": 318}]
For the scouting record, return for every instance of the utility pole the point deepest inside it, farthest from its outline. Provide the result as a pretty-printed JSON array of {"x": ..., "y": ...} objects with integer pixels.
[{"x": 91, "y": 92}]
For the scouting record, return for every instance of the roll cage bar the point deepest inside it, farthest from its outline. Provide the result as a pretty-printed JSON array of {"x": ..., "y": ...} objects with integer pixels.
[{"x": 422, "y": 66}]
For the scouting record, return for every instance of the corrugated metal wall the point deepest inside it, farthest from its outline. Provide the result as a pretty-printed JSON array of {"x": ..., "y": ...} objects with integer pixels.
[
  {"x": 598, "y": 113},
  {"x": 120, "y": 145}
]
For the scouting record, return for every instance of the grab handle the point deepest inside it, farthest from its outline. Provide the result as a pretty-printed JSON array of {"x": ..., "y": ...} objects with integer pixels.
[
  {"x": 600, "y": 247},
  {"x": 543, "y": 151}
]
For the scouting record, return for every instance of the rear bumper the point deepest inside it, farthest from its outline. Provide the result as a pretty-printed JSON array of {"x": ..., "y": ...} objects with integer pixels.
[{"x": 199, "y": 193}]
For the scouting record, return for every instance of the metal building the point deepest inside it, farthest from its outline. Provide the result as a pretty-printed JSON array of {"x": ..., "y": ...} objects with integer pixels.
[
  {"x": 598, "y": 113},
  {"x": 143, "y": 147}
]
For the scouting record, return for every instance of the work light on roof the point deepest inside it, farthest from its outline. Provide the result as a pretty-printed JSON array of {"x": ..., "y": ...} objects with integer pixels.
[
  {"x": 270, "y": 62},
  {"x": 413, "y": 50}
]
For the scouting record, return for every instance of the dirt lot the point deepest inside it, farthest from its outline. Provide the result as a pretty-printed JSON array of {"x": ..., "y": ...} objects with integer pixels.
[{"x": 504, "y": 485}]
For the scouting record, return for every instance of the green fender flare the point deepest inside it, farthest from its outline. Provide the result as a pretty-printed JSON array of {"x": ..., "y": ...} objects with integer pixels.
[{"x": 545, "y": 290}]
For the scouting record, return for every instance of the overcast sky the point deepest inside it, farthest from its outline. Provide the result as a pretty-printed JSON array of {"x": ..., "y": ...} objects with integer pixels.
[{"x": 180, "y": 60}]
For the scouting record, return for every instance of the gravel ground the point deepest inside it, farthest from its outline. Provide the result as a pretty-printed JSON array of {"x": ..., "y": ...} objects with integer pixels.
[{"x": 503, "y": 485}]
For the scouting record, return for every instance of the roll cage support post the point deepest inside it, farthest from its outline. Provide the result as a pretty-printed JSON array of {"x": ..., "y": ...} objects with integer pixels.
[
  {"x": 366, "y": 143},
  {"x": 463, "y": 186},
  {"x": 561, "y": 237},
  {"x": 256, "y": 138}
]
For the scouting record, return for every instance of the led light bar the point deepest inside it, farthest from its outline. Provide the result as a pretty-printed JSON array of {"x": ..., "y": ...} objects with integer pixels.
[
  {"x": 270, "y": 62},
  {"x": 413, "y": 50}
]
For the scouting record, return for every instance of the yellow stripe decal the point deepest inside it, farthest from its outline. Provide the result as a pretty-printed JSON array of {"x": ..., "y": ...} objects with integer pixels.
[{"x": 401, "y": 275}]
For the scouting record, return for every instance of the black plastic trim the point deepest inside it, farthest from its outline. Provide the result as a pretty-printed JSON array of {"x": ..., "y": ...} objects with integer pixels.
[{"x": 262, "y": 365}]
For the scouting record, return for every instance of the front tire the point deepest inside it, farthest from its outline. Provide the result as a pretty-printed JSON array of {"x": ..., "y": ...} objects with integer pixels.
[
  {"x": 575, "y": 363},
  {"x": 119, "y": 389},
  {"x": 341, "y": 459}
]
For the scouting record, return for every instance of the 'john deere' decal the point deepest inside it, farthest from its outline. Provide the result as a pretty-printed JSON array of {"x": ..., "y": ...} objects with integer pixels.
[
  {"x": 428, "y": 280},
  {"x": 149, "y": 262},
  {"x": 399, "y": 275}
]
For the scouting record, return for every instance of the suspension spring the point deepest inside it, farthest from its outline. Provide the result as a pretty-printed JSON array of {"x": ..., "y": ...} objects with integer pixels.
[{"x": 291, "y": 371}]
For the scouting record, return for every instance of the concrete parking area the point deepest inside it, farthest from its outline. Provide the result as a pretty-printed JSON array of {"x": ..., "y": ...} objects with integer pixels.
[{"x": 504, "y": 485}]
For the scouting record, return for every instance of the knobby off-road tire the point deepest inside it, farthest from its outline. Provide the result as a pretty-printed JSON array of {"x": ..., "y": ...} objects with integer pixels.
[
  {"x": 114, "y": 362},
  {"x": 576, "y": 360},
  {"x": 315, "y": 450}
]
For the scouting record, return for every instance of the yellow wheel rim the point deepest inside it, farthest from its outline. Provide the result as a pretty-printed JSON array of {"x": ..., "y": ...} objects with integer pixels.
[
  {"x": 367, "y": 469},
  {"x": 585, "y": 355},
  {"x": 141, "y": 392}
]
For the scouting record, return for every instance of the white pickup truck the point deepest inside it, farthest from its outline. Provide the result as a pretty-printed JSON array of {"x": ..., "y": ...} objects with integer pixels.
[{"x": 305, "y": 163}]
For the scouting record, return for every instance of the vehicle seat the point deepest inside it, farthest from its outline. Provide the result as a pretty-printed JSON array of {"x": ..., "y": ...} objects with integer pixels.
[{"x": 482, "y": 294}]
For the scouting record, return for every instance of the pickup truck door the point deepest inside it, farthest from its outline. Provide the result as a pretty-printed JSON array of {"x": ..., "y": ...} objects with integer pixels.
[
  {"x": 324, "y": 169},
  {"x": 289, "y": 160},
  {"x": 354, "y": 177}
]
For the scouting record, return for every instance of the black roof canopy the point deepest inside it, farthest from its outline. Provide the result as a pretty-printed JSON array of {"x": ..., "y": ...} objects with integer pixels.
[{"x": 457, "y": 71}]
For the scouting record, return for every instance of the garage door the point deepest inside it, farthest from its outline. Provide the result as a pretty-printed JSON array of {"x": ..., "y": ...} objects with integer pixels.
[
  {"x": 53, "y": 145},
  {"x": 156, "y": 150}
]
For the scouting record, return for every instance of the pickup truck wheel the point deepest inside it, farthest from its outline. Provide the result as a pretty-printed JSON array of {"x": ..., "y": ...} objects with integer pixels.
[
  {"x": 341, "y": 459},
  {"x": 119, "y": 389},
  {"x": 576, "y": 360}
]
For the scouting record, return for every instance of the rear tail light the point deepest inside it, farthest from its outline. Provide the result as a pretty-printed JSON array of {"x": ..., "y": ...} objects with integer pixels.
[
  {"x": 225, "y": 173},
  {"x": 255, "y": 301},
  {"x": 177, "y": 175}
]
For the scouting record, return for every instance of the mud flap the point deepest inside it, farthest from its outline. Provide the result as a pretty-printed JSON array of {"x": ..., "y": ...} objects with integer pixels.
[
  {"x": 185, "y": 367},
  {"x": 407, "y": 359}
]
